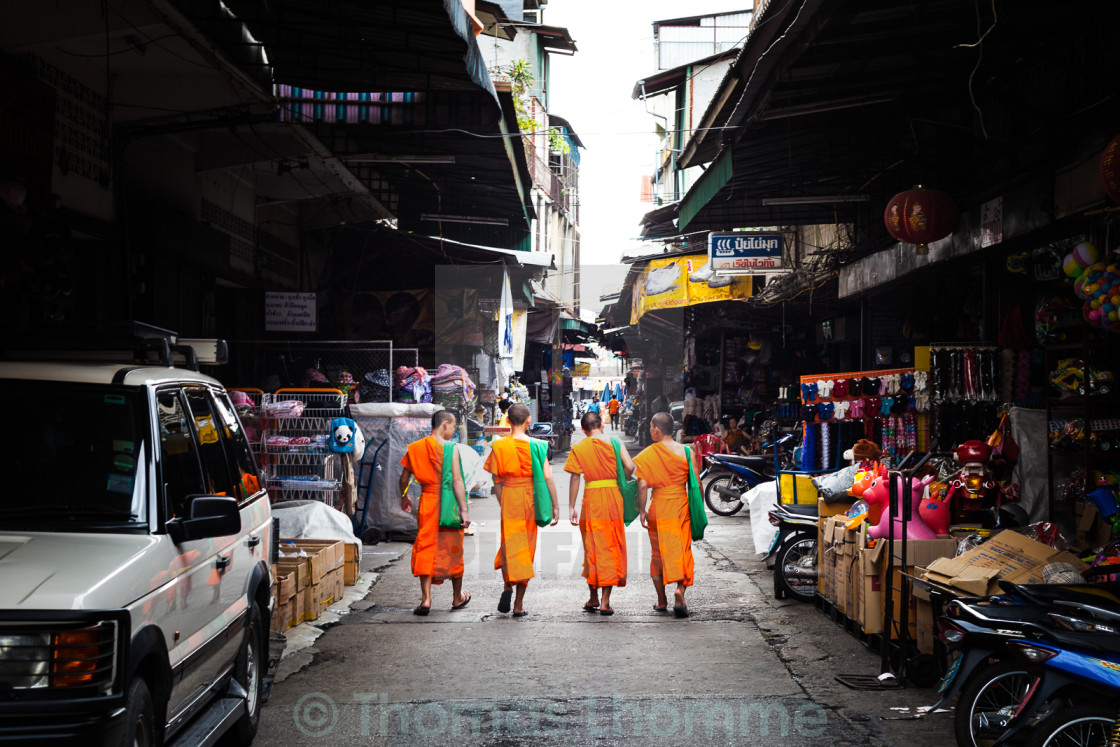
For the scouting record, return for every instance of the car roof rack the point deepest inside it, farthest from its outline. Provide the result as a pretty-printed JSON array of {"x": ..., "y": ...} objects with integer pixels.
[{"x": 133, "y": 342}]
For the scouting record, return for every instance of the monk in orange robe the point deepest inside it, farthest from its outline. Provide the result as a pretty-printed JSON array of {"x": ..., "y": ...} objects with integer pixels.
[
  {"x": 511, "y": 464},
  {"x": 601, "y": 522},
  {"x": 662, "y": 468},
  {"x": 437, "y": 552}
]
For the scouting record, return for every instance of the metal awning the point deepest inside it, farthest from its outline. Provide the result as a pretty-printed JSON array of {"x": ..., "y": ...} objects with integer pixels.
[
  {"x": 834, "y": 105},
  {"x": 664, "y": 81}
]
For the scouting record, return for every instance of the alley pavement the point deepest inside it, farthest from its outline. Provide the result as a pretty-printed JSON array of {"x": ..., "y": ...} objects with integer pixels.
[{"x": 743, "y": 669}]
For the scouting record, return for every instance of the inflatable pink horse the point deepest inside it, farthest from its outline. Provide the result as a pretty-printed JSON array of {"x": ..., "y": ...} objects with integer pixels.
[{"x": 878, "y": 494}]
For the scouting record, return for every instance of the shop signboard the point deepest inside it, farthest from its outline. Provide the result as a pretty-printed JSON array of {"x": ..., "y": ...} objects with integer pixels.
[
  {"x": 745, "y": 253},
  {"x": 676, "y": 282},
  {"x": 289, "y": 312}
]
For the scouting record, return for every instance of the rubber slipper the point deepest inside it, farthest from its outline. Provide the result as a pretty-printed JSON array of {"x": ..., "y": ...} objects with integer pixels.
[
  {"x": 519, "y": 614},
  {"x": 660, "y": 609},
  {"x": 679, "y": 610},
  {"x": 422, "y": 611},
  {"x": 464, "y": 603},
  {"x": 606, "y": 613},
  {"x": 504, "y": 601},
  {"x": 590, "y": 608}
]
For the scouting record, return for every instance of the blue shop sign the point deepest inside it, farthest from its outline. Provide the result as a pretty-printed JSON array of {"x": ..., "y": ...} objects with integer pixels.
[{"x": 744, "y": 252}]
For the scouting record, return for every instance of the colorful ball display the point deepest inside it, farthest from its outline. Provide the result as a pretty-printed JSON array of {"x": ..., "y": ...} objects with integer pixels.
[{"x": 1098, "y": 286}]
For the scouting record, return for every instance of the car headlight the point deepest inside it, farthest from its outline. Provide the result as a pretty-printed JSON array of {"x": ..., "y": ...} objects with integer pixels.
[
  {"x": 25, "y": 660},
  {"x": 72, "y": 657}
]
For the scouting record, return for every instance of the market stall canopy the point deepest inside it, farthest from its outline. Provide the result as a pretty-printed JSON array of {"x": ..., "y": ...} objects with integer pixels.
[{"x": 835, "y": 105}]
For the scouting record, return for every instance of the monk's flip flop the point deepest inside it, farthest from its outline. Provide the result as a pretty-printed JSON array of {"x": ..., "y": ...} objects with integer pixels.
[
  {"x": 519, "y": 614},
  {"x": 422, "y": 611},
  {"x": 504, "y": 601},
  {"x": 660, "y": 609},
  {"x": 606, "y": 613},
  {"x": 680, "y": 610},
  {"x": 592, "y": 608},
  {"x": 464, "y": 603}
]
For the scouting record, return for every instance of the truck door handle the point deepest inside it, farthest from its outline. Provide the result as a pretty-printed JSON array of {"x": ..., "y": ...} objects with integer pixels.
[
  {"x": 222, "y": 562},
  {"x": 253, "y": 540}
]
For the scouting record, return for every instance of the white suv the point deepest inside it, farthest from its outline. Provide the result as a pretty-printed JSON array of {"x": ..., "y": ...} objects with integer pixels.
[{"x": 135, "y": 584}]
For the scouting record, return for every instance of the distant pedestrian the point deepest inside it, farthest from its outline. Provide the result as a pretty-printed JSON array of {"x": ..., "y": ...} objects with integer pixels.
[
  {"x": 594, "y": 406},
  {"x": 613, "y": 407},
  {"x": 515, "y": 470}
]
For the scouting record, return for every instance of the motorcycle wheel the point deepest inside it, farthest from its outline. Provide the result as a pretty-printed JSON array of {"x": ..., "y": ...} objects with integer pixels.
[
  {"x": 992, "y": 692},
  {"x": 1086, "y": 724},
  {"x": 720, "y": 503},
  {"x": 798, "y": 552}
]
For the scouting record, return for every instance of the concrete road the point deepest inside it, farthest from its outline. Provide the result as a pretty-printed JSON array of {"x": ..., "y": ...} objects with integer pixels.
[{"x": 743, "y": 669}]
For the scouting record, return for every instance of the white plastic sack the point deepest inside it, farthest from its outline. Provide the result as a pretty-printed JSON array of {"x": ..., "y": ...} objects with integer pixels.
[
  {"x": 760, "y": 500},
  {"x": 393, "y": 410},
  {"x": 1028, "y": 427},
  {"x": 314, "y": 520}
]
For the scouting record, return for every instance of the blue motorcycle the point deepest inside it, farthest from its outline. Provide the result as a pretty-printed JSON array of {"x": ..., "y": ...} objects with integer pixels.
[{"x": 731, "y": 475}]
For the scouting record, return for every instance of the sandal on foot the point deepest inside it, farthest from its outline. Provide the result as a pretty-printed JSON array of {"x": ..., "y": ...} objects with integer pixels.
[
  {"x": 606, "y": 612},
  {"x": 462, "y": 604},
  {"x": 504, "y": 601},
  {"x": 591, "y": 608},
  {"x": 680, "y": 610},
  {"x": 660, "y": 609},
  {"x": 519, "y": 614},
  {"x": 421, "y": 611}
]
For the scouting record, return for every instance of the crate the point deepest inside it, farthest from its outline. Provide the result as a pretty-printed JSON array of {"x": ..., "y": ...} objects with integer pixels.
[{"x": 797, "y": 488}]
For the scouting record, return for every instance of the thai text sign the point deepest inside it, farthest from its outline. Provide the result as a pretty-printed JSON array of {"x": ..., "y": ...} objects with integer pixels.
[
  {"x": 745, "y": 252},
  {"x": 289, "y": 312}
]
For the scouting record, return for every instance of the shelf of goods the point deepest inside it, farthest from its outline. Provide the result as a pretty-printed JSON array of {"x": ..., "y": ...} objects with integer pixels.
[{"x": 293, "y": 447}]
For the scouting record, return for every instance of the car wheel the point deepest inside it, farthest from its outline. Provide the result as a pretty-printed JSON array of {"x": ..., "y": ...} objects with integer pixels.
[
  {"x": 249, "y": 673},
  {"x": 140, "y": 716}
]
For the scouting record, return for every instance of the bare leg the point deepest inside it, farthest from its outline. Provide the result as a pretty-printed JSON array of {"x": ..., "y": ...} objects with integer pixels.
[
  {"x": 593, "y": 596},
  {"x": 606, "y": 594},
  {"x": 659, "y": 586},
  {"x": 519, "y": 597},
  {"x": 457, "y": 587},
  {"x": 678, "y": 595},
  {"x": 425, "y": 591}
]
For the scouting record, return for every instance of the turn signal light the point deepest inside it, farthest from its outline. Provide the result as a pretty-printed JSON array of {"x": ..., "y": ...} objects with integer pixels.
[
  {"x": 951, "y": 633},
  {"x": 1030, "y": 653},
  {"x": 77, "y": 657}
]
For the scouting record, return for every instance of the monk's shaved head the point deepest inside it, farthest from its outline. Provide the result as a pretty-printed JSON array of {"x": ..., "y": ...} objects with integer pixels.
[
  {"x": 441, "y": 417},
  {"x": 591, "y": 421},
  {"x": 518, "y": 414},
  {"x": 663, "y": 422}
]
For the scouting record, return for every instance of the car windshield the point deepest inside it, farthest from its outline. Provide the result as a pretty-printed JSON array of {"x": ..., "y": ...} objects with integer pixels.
[{"x": 76, "y": 456}]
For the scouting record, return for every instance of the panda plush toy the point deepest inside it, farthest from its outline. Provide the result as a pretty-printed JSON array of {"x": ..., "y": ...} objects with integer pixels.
[{"x": 346, "y": 437}]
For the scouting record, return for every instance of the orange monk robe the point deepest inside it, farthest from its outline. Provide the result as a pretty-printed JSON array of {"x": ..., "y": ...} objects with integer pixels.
[
  {"x": 670, "y": 525},
  {"x": 511, "y": 464},
  {"x": 600, "y": 518},
  {"x": 437, "y": 551}
]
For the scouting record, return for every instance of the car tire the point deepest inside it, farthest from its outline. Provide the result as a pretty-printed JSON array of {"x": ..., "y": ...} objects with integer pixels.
[
  {"x": 140, "y": 716},
  {"x": 249, "y": 672}
]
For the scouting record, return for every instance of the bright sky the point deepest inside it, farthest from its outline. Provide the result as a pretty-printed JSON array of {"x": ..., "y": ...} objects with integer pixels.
[{"x": 592, "y": 91}]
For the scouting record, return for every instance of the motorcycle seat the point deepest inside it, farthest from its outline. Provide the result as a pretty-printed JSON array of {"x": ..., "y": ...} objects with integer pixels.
[
  {"x": 757, "y": 462},
  {"x": 1106, "y": 594},
  {"x": 800, "y": 510}
]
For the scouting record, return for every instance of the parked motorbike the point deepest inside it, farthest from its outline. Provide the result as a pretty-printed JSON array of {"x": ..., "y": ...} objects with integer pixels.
[
  {"x": 632, "y": 422},
  {"x": 546, "y": 432},
  {"x": 732, "y": 475},
  {"x": 795, "y": 551},
  {"x": 991, "y": 683}
]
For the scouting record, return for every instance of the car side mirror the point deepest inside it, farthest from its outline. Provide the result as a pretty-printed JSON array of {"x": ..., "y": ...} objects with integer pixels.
[{"x": 210, "y": 516}]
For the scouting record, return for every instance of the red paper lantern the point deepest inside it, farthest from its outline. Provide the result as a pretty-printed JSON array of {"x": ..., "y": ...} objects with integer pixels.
[
  {"x": 919, "y": 216},
  {"x": 1110, "y": 169}
]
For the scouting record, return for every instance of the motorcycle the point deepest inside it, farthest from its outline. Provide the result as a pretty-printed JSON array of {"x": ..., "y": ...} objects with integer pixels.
[
  {"x": 546, "y": 432},
  {"x": 631, "y": 424},
  {"x": 990, "y": 684},
  {"x": 795, "y": 551},
  {"x": 732, "y": 475}
]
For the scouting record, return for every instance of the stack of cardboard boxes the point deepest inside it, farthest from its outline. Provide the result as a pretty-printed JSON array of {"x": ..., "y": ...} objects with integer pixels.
[{"x": 310, "y": 576}]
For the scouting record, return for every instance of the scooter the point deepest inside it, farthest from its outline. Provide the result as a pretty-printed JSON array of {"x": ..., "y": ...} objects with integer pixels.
[
  {"x": 794, "y": 551},
  {"x": 630, "y": 425},
  {"x": 546, "y": 432},
  {"x": 733, "y": 474}
]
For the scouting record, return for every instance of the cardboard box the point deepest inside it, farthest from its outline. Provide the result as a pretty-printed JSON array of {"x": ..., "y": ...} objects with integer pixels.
[
  {"x": 831, "y": 560},
  {"x": 322, "y": 555},
  {"x": 282, "y": 616},
  {"x": 869, "y": 611},
  {"x": 350, "y": 564},
  {"x": 926, "y": 627},
  {"x": 823, "y": 575},
  {"x": 826, "y": 509},
  {"x": 1009, "y": 555},
  {"x": 296, "y": 566},
  {"x": 1093, "y": 531},
  {"x": 918, "y": 552},
  {"x": 309, "y": 602}
]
